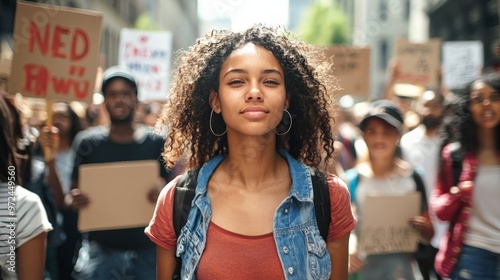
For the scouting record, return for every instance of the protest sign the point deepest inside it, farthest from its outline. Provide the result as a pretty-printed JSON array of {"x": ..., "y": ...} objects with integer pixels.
[
  {"x": 147, "y": 55},
  {"x": 119, "y": 195},
  {"x": 351, "y": 66},
  {"x": 56, "y": 52},
  {"x": 385, "y": 224},
  {"x": 462, "y": 62},
  {"x": 418, "y": 64}
]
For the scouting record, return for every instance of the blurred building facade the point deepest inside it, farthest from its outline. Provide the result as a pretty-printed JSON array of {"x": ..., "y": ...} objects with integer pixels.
[
  {"x": 374, "y": 23},
  {"x": 468, "y": 20},
  {"x": 378, "y": 24},
  {"x": 176, "y": 16}
]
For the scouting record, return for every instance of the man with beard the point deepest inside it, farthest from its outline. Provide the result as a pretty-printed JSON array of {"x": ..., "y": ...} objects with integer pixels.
[
  {"x": 421, "y": 147},
  {"x": 109, "y": 254}
]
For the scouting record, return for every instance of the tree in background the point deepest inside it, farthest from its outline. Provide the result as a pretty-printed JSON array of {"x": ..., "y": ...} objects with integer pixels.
[
  {"x": 145, "y": 22},
  {"x": 325, "y": 24}
]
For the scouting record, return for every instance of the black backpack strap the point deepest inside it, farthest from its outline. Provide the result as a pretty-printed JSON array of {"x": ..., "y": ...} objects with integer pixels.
[
  {"x": 421, "y": 188},
  {"x": 183, "y": 196},
  {"x": 321, "y": 201}
]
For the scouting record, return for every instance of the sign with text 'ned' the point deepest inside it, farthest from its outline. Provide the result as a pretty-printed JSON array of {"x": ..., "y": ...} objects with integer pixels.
[
  {"x": 147, "y": 55},
  {"x": 56, "y": 52}
]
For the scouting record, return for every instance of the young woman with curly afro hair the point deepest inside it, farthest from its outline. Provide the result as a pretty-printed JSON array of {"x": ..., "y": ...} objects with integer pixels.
[{"x": 252, "y": 109}]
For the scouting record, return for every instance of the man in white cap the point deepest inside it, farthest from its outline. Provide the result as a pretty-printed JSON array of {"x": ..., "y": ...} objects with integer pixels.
[{"x": 128, "y": 253}]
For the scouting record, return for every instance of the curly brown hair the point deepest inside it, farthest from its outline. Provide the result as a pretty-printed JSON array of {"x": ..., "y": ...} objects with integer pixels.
[{"x": 186, "y": 113}]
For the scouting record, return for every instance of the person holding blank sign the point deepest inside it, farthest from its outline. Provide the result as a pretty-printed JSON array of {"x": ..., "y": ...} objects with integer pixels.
[
  {"x": 382, "y": 252},
  {"x": 117, "y": 252}
]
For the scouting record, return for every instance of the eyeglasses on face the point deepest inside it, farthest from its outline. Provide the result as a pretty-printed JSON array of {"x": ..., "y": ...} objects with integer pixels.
[{"x": 480, "y": 98}]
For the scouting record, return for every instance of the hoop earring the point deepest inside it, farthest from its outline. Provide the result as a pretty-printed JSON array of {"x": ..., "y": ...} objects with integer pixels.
[
  {"x": 211, "y": 129},
  {"x": 284, "y": 122}
]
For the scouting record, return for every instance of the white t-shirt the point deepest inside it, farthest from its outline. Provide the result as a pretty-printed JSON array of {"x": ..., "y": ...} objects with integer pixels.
[
  {"x": 484, "y": 223},
  {"x": 423, "y": 153},
  {"x": 393, "y": 265},
  {"x": 25, "y": 220}
]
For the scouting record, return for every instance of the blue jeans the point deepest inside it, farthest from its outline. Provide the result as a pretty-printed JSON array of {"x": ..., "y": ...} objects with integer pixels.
[
  {"x": 476, "y": 264},
  {"x": 97, "y": 263}
]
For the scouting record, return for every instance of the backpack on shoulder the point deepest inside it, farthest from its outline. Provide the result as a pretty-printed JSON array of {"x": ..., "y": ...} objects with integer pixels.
[{"x": 185, "y": 190}]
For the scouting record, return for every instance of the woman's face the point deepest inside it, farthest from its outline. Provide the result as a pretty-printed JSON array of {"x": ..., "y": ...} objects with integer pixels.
[
  {"x": 381, "y": 138},
  {"x": 252, "y": 95},
  {"x": 61, "y": 118},
  {"x": 485, "y": 105}
]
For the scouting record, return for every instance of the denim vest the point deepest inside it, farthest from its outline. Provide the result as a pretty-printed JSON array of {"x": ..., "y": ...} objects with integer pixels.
[{"x": 301, "y": 249}]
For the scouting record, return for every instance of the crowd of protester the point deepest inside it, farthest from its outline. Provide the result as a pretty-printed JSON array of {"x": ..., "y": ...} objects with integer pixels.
[{"x": 442, "y": 143}]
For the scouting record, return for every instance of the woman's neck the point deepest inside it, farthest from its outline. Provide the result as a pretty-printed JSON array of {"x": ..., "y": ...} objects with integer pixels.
[
  {"x": 253, "y": 162},
  {"x": 487, "y": 139},
  {"x": 381, "y": 167},
  {"x": 487, "y": 151}
]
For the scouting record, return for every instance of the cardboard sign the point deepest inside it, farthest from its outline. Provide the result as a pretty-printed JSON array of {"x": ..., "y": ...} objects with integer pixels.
[
  {"x": 118, "y": 193},
  {"x": 462, "y": 62},
  {"x": 147, "y": 54},
  {"x": 352, "y": 68},
  {"x": 56, "y": 52},
  {"x": 418, "y": 63},
  {"x": 385, "y": 227}
]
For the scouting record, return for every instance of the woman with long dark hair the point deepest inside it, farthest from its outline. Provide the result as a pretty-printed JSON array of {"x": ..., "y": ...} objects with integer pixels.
[{"x": 467, "y": 191}]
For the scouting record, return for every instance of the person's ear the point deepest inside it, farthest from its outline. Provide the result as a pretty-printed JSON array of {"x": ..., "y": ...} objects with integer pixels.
[
  {"x": 287, "y": 102},
  {"x": 214, "y": 101}
]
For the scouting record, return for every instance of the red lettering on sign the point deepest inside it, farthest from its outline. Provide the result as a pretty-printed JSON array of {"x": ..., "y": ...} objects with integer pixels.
[
  {"x": 81, "y": 93},
  {"x": 61, "y": 85},
  {"x": 78, "y": 49},
  {"x": 57, "y": 44},
  {"x": 36, "y": 37},
  {"x": 36, "y": 79},
  {"x": 414, "y": 78},
  {"x": 75, "y": 55}
]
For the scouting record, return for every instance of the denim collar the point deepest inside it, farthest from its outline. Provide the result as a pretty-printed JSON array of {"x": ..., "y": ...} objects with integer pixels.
[{"x": 299, "y": 173}]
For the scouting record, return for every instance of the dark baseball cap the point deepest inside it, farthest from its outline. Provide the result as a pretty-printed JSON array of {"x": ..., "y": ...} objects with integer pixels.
[
  {"x": 385, "y": 110},
  {"x": 117, "y": 72}
]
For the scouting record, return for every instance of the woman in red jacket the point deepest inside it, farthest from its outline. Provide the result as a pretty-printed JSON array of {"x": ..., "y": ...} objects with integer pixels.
[{"x": 467, "y": 191}]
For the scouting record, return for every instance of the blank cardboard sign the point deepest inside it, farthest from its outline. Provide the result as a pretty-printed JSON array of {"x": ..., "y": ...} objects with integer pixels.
[
  {"x": 385, "y": 227},
  {"x": 118, "y": 193}
]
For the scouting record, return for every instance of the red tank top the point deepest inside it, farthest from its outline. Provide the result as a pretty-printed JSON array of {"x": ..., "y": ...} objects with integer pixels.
[{"x": 229, "y": 255}]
